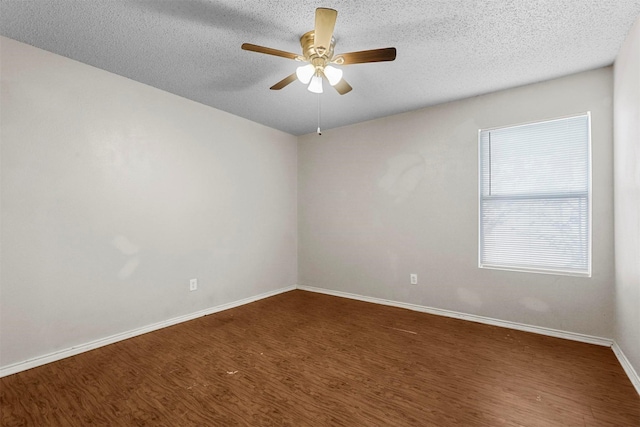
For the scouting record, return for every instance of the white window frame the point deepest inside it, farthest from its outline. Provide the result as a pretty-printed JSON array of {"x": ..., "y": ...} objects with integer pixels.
[{"x": 589, "y": 201}]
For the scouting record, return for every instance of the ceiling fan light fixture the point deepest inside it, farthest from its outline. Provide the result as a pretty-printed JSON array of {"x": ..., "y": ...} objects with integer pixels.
[
  {"x": 316, "y": 84},
  {"x": 305, "y": 72},
  {"x": 318, "y": 56},
  {"x": 333, "y": 74}
]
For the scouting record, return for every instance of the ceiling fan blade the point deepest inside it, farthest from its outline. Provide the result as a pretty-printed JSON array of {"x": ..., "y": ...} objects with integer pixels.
[
  {"x": 343, "y": 87},
  {"x": 269, "y": 51},
  {"x": 325, "y": 22},
  {"x": 363, "y": 56},
  {"x": 284, "y": 82}
]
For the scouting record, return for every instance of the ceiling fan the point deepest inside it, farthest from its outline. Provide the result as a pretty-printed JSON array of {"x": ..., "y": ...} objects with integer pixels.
[{"x": 317, "y": 52}]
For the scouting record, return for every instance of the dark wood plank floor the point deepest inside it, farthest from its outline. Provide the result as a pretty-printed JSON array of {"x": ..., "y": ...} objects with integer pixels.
[{"x": 305, "y": 359}]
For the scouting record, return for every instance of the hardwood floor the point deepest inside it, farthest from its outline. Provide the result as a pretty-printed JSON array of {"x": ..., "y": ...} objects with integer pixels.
[{"x": 305, "y": 359}]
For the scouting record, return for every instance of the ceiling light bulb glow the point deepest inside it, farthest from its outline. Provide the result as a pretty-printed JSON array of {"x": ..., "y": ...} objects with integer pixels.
[
  {"x": 316, "y": 84},
  {"x": 305, "y": 72},
  {"x": 333, "y": 74}
]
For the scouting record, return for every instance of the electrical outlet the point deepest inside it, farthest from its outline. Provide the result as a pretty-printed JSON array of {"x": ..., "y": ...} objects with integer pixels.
[
  {"x": 193, "y": 284},
  {"x": 414, "y": 279}
]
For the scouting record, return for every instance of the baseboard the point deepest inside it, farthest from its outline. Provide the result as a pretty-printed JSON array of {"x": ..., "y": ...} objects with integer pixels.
[
  {"x": 58, "y": 355},
  {"x": 62, "y": 354},
  {"x": 626, "y": 365},
  {"x": 471, "y": 317}
]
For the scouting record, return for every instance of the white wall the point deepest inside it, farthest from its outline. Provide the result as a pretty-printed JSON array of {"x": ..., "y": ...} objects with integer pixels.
[
  {"x": 115, "y": 194},
  {"x": 627, "y": 196},
  {"x": 399, "y": 195}
]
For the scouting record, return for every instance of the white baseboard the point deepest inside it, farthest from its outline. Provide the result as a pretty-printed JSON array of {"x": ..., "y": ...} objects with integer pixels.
[
  {"x": 471, "y": 317},
  {"x": 58, "y": 355},
  {"x": 626, "y": 365}
]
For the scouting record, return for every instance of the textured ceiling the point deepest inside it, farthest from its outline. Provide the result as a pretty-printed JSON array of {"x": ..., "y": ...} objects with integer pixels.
[{"x": 447, "y": 49}]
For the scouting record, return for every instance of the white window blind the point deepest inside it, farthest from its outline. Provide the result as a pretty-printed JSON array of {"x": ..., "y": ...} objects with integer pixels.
[{"x": 535, "y": 191}]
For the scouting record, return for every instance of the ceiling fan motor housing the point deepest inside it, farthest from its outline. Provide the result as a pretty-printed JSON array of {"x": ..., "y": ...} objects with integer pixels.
[{"x": 318, "y": 57}]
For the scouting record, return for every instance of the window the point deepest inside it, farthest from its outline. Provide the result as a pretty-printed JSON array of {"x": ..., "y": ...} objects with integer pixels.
[{"x": 535, "y": 197}]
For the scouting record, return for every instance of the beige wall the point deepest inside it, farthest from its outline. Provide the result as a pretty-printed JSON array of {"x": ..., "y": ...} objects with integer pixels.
[
  {"x": 115, "y": 194},
  {"x": 627, "y": 196},
  {"x": 399, "y": 195}
]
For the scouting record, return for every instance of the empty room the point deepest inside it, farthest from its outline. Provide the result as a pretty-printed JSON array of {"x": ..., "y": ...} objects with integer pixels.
[{"x": 348, "y": 213}]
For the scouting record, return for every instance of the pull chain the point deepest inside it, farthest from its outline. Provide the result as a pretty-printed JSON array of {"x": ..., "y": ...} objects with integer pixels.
[{"x": 319, "y": 133}]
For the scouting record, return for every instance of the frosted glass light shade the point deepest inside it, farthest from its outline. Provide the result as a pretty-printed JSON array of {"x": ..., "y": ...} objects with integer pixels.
[
  {"x": 305, "y": 72},
  {"x": 316, "y": 84},
  {"x": 333, "y": 74}
]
